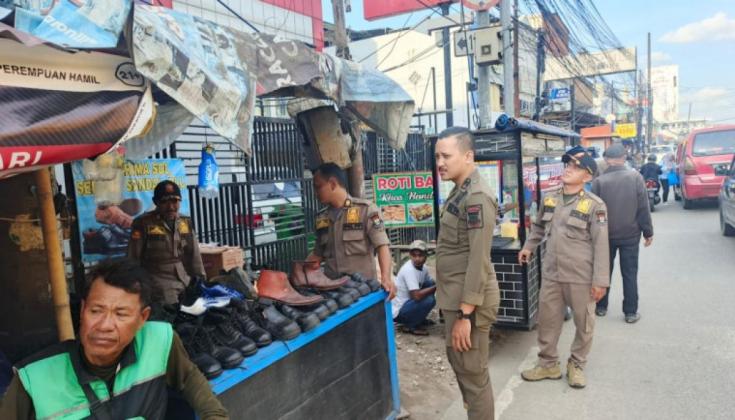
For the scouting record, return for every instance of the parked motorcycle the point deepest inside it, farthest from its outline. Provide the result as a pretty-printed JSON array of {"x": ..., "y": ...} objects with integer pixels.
[{"x": 654, "y": 198}]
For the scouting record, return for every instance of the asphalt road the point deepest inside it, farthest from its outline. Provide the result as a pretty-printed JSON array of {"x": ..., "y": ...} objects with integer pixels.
[{"x": 677, "y": 362}]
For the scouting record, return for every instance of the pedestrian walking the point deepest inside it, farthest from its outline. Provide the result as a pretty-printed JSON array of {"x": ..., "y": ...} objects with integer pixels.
[
  {"x": 624, "y": 193},
  {"x": 467, "y": 288},
  {"x": 575, "y": 268},
  {"x": 668, "y": 168}
]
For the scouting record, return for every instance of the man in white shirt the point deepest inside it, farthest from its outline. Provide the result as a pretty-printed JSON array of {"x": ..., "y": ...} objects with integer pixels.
[{"x": 414, "y": 291}]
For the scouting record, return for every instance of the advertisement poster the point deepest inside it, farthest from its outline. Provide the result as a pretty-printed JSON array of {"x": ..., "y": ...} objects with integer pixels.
[
  {"x": 490, "y": 171},
  {"x": 405, "y": 199},
  {"x": 104, "y": 230}
]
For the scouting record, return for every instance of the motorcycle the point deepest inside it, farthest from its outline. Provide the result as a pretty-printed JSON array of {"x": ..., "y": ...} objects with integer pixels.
[{"x": 654, "y": 198}]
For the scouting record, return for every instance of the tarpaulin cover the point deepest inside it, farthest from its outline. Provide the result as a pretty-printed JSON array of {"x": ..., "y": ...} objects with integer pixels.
[
  {"x": 195, "y": 62},
  {"x": 72, "y": 23},
  {"x": 59, "y": 106}
]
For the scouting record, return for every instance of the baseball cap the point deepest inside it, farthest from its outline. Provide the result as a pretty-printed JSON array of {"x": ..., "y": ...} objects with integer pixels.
[
  {"x": 616, "y": 151},
  {"x": 166, "y": 190},
  {"x": 585, "y": 161},
  {"x": 419, "y": 245}
]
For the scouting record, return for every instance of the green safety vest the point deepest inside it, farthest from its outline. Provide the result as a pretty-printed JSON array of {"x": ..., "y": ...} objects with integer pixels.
[{"x": 61, "y": 389}]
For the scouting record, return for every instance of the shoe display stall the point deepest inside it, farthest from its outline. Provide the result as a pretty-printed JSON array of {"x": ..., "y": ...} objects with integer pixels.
[
  {"x": 296, "y": 353},
  {"x": 521, "y": 160}
]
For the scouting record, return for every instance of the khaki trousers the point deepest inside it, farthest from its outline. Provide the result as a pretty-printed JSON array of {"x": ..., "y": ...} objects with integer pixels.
[
  {"x": 554, "y": 298},
  {"x": 470, "y": 367}
]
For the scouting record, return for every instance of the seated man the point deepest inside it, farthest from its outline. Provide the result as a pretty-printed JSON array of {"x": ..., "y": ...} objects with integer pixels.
[
  {"x": 414, "y": 291},
  {"x": 120, "y": 366}
]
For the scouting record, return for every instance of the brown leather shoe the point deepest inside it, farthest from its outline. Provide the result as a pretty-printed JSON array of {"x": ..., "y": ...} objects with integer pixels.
[
  {"x": 274, "y": 285},
  {"x": 308, "y": 274}
]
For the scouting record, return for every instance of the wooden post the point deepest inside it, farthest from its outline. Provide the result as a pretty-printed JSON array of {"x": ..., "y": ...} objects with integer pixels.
[
  {"x": 356, "y": 173},
  {"x": 59, "y": 292}
]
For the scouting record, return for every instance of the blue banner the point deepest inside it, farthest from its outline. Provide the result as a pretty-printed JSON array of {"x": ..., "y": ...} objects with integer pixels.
[
  {"x": 75, "y": 24},
  {"x": 105, "y": 230}
]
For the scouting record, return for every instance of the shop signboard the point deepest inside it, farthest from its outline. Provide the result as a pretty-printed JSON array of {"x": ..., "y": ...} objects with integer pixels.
[
  {"x": 405, "y": 199},
  {"x": 625, "y": 131},
  {"x": 104, "y": 230}
]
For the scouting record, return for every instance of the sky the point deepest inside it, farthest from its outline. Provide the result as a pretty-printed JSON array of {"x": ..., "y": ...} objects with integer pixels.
[{"x": 697, "y": 36}]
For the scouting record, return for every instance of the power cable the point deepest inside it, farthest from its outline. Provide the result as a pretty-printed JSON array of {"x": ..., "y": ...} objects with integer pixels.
[{"x": 237, "y": 15}]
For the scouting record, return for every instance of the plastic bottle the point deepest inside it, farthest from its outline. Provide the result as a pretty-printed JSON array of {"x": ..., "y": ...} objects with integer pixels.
[{"x": 208, "y": 174}]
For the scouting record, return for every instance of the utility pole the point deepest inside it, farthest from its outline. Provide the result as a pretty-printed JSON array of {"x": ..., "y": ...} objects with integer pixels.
[
  {"x": 573, "y": 107},
  {"x": 356, "y": 172},
  {"x": 508, "y": 94},
  {"x": 540, "y": 68},
  {"x": 516, "y": 81},
  {"x": 483, "y": 78},
  {"x": 649, "y": 121},
  {"x": 447, "y": 68}
]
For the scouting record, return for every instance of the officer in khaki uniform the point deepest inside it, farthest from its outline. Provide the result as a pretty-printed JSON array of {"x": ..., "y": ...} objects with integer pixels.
[
  {"x": 575, "y": 267},
  {"x": 350, "y": 231},
  {"x": 467, "y": 288},
  {"x": 165, "y": 244}
]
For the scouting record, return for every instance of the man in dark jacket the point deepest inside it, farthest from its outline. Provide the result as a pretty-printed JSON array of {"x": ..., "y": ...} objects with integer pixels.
[{"x": 624, "y": 192}]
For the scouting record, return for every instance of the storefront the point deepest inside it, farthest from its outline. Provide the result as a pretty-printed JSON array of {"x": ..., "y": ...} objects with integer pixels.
[{"x": 344, "y": 367}]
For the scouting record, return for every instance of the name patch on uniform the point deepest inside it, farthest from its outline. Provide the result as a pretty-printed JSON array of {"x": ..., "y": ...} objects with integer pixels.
[
  {"x": 353, "y": 215},
  {"x": 579, "y": 215},
  {"x": 584, "y": 206},
  {"x": 353, "y": 226},
  {"x": 601, "y": 217},
  {"x": 452, "y": 208},
  {"x": 322, "y": 223},
  {"x": 474, "y": 216},
  {"x": 155, "y": 230},
  {"x": 184, "y": 227}
]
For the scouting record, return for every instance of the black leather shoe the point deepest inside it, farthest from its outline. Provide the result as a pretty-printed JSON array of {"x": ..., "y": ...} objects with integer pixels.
[
  {"x": 270, "y": 319},
  {"x": 329, "y": 304},
  {"x": 225, "y": 332},
  {"x": 363, "y": 288},
  {"x": 372, "y": 283},
  {"x": 319, "y": 309},
  {"x": 354, "y": 293},
  {"x": 601, "y": 312},
  {"x": 248, "y": 327},
  {"x": 342, "y": 298},
  {"x": 306, "y": 320}
]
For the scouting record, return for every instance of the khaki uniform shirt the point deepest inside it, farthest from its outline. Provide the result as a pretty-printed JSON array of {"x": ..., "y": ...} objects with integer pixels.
[
  {"x": 347, "y": 240},
  {"x": 170, "y": 256},
  {"x": 465, "y": 273},
  {"x": 577, "y": 249}
]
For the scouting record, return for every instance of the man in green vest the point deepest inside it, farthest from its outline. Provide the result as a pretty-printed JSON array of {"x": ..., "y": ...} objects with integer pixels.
[{"x": 120, "y": 367}]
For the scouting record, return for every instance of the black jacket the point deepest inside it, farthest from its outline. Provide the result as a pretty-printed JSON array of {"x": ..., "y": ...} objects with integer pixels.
[
  {"x": 651, "y": 171},
  {"x": 624, "y": 192}
]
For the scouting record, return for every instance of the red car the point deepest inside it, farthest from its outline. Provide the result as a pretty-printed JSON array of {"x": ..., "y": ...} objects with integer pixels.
[{"x": 703, "y": 161}]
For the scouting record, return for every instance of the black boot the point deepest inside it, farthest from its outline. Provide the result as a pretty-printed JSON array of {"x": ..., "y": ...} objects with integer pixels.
[
  {"x": 247, "y": 326},
  {"x": 306, "y": 320},
  {"x": 238, "y": 280},
  {"x": 208, "y": 357},
  {"x": 372, "y": 283},
  {"x": 354, "y": 293},
  {"x": 221, "y": 326},
  {"x": 270, "y": 319}
]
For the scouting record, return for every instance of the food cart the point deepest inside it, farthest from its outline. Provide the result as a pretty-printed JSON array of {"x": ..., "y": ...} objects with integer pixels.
[{"x": 520, "y": 161}]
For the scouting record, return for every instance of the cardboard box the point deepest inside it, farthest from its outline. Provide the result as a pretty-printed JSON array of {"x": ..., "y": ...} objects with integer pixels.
[{"x": 221, "y": 258}]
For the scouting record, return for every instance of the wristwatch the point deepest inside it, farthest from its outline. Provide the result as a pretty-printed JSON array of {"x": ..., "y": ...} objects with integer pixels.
[{"x": 462, "y": 315}]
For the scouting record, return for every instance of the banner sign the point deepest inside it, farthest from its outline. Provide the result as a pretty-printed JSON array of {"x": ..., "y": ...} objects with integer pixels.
[
  {"x": 104, "y": 231},
  {"x": 626, "y": 131},
  {"x": 405, "y": 199},
  {"x": 58, "y": 106},
  {"x": 74, "y": 23}
]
